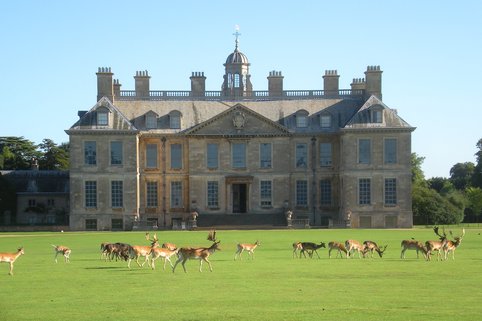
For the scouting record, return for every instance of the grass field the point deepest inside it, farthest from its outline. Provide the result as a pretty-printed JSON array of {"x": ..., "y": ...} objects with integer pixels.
[{"x": 273, "y": 286}]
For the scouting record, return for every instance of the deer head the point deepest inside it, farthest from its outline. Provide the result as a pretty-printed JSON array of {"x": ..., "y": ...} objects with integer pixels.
[
  {"x": 380, "y": 251},
  {"x": 443, "y": 236}
]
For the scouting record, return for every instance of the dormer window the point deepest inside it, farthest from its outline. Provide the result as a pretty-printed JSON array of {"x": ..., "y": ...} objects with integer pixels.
[
  {"x": 326, "y": 121},
  {"x": 302, "y": 119},
  {"x": 175, "y": 119},
  {"x": 102, "y": 118},
  {"x": 151, "y": 121},
  {"x": 376, "y": 115}
]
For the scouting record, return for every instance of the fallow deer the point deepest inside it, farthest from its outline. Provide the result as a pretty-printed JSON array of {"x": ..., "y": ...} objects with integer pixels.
[
  {"x": 371, "y": 246},
  {"x": 353, "y": 245},
  {"x": 451, "y": 246},
  {"x": 241, "y": 247},
  {"x": 136, "y": 251},
  {"x": 413, "y": 245},
  {"x": 11, "y": 258},
  {"x": 340, "y": 247},
  {"x": 163, "y": 253},
  {"x": 65, "y": 251},
  {"x": 311, "y": 248},
  {"x": 200, "y": 254},
  {"x": 436, "y": 245},
  {"x": 297, "y": 247}
]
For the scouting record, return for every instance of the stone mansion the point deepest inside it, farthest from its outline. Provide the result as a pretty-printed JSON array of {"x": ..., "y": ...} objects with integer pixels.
[{"x": 238, "y": 155}]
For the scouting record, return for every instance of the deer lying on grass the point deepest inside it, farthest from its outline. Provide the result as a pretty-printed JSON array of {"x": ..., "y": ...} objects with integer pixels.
[
  {"x": 413, "y": 245},
  {"x": 136, "y": 251},
  {"x": 340, "y": 247},
  {"x": 371, "y": 246},
  {"x": 201, "y": 254},
  {"x": 65, "y": 251},
  {"x": 241, "y": 247},
  {"x": 451, "y": 246},
  {"x": 436, "y": 245},
  {"x": 11, "y": 258},
  {"x": 311, "y": 248},
  {"x": 353, "y": 245}
]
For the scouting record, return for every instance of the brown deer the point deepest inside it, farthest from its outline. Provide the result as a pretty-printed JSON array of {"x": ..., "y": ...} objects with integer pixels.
[
  {"x": 371, "y": 246},
  {"x": 413, "y": 245},
  {"x": 436, "y": 245},
  {"x": 11, "y": 258},
  {"x": 340, "y": 247},
  {"x": 64, "y": 250},
  {"x": 353, "y": 245},
  {"x": 163, "y": 253},
  {"x": 201, "y": 254},
  {"x": 169, "y": 246},
  {"x": 297, "y": 247},
  {"x": 136, "y": 251},
  {"x": 311, "y": 248},
  {"x": 451, "y": 246},
  {"x": 241, "y": 247}
]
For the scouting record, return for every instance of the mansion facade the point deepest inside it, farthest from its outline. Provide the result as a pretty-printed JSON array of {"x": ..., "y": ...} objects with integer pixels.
[{"x": 328, "y": 155}]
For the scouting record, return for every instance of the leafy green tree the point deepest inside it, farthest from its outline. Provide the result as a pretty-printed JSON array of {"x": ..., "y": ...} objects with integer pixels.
[
  {"x": 477, "y": 175},
  {"x": 17, "y": 152},
  {"x": 461, "y": 175},
  {"x": 441, "y": 184},
  {"x": 474, "y": 196},
  {"x": 418, "y": 176},
  {"x": 53, "y": 157}
]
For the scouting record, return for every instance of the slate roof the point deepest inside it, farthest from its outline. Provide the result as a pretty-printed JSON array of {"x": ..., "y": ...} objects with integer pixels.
[{"x": 38, "y": 181}]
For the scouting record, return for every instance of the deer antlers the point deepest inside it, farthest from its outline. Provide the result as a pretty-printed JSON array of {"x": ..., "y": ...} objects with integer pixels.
[{"x": 442, "y": 237}]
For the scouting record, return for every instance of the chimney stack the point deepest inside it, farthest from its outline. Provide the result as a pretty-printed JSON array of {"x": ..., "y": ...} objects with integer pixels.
[
  {"x": 198, "y": 84},
  {"x": 373, "y": 77},
  {"x": 331, "y": 83},
  {"x": 117, "y": 88},
  {"x": 275, "y": 84},
  {"x": 142, "y": 84},
  {"x": 104, "y": 83}
]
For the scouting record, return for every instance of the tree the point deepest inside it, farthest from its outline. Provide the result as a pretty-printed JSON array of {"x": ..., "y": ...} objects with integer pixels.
[
  {"x": 17, "y": 152},
  {"x": 53, "y": 157},
  {"x": 461, "y": 175},
  {"x": 418, "y": 176},
  {"x": 474, "y": 196},
  {"x": 441, "y": 184},
  {"x": 477, "y": 175}
]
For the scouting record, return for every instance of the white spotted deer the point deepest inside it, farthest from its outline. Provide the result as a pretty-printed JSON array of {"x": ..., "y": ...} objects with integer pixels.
[
  {"x": 64, "y": 250},
  {"x": 136, "y": 251},
  {"x": 241, "y": 247},
  {"x": 371, "y": 247},
  {"x": 340, "y": 247},
  {"x": 436, "y": 245},
  {"x": 11, "y": 258},
  {"x": 163, "y": 253},
  {"x": 201, "y": 254},
  {"x": 352, "y": 246},
  {"x": 413, "y": 245},
  {"x": 451, "y": 246}
]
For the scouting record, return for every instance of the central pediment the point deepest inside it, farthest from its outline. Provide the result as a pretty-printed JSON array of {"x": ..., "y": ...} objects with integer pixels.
[{"x": 238, "y": 121}]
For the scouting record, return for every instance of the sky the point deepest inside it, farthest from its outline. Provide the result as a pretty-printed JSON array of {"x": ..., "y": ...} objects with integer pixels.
[{"x": 430, "y": 53}]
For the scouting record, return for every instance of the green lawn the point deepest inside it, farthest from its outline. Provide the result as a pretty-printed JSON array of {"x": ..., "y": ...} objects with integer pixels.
[{"x": 273, "y": 286}]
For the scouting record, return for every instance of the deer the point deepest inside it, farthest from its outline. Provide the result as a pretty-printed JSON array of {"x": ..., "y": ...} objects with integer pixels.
[
  {"x": 371, "y": 246},
  {"x": 353, "y": 245},
  {"x": 136, "y": 251},
  {"x": 163, "y": 253},
  {"x": 436, "y": 245},
  {"x": 11, "y": 258},
  {"x": 200, "y": 254},
  {"x": 64, "y": 250},
  {"x": 241, "y": 247},
  {"x": 313, "y": 247},
  {"x": 297, "y": 247},
  {"x": 169, "y": 246},
  {"x": 340, "y": 247},
  {"x": 212, "y": 235},
  {"x": 451, "y": 246},
  {"x": 413, "y": 245}
]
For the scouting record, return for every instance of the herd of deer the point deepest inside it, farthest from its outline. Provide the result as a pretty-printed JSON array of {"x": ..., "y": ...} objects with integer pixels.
[{"x": 123, "y": 251}]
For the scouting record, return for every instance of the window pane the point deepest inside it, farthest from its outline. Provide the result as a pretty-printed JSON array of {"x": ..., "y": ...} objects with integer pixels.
[
  {"x": 117, "y": 191},
  {"x": 364, "y": 151},
  {"x": 102, "y": 119},
  {"x": 212, "y": 156},
  {"x": 390, "y": 151},
  {"x": 116, "y": 153},
  {"x": 236, "y": 81},
  {"x": 301, "y": 121},
  {"x": 377, "y": 116},
  {"x": 176, "y": 194},
  {"x": 239, "y": 155},
  {"x": 265, "y": 155},
  {"x": 91, "y": 224},
  {"x": 90, "y": 153},
  {"x": 301, "y": 155},
  {"x": 151, "y": 194},
  {"x": 151, "y": 122},
  {"x": 175, "y": 121},
  {"x": 213, "y": 194},
  {"x": 325, "y": 121},
  {"x": 151, "y": 156},
  {"x": 265, "y": 193},
  {"x": 390, "y": 191},
  {"x": 176, "y": 156},
  {"x": 364, "y": 191},
  {"x": 325, "y": 154},
  {"x": 90, "y": 194},
  {"x": 325, "y": 192},
  {"x": 302, "y": 193}
]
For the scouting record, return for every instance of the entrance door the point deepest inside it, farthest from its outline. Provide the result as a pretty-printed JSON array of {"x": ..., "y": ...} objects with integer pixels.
[{"x": 239, "y": 198}]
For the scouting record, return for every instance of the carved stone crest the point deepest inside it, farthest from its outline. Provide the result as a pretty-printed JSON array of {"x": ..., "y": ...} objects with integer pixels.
[{"x": 239, "y": 120}]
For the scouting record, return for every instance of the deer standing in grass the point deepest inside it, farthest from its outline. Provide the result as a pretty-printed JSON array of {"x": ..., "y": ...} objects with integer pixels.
[
  {"x": 201, "y": 254},
  {"x": 163, "y": 253},
  {"x": 436, "y": 245},
  {"x": 451, "y": 246},
  {"x": 353, "y": 245},
  {"x": 241, "y": 247},
  {"x": 371, "y": 246},
  {"x": 11, "y": 258},
  {"x": 311, "y": 248},
  {"x": 297, "y": 247},
  {"x": 136, "y": 251},
  {"x": 64, "y": 250},
  {"x": 340, "y": 247},
  {"x": 413, "y": 245}
]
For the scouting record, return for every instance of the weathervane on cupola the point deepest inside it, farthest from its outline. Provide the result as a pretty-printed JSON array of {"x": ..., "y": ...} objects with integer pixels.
[{"x": 237, "y": 81}]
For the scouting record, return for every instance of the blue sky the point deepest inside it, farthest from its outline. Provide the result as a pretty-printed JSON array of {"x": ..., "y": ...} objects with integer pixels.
[{"x": 430, "y": 53}]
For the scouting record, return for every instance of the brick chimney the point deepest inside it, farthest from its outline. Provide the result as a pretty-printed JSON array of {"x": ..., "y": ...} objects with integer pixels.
[
  {"x": 373, "y": 77},
  {"x": 142, "y": 84},
  {"x": 331, "y": 83},
  {"x": 198, "y": 84},
  {"x": 275, "y": 84},
  {"x": 104, "y": 83}
]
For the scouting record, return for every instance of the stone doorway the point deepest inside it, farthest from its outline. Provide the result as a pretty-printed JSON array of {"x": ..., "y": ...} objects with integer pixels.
[{"x": 239, "y": 198}]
